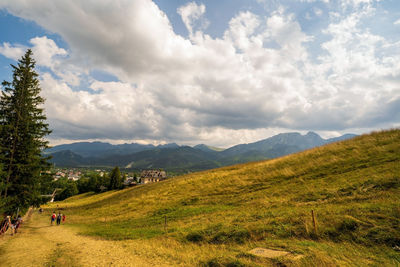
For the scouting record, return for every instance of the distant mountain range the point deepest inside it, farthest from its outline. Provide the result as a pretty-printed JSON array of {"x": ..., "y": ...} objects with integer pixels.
[{"x": 179, "y": 159}]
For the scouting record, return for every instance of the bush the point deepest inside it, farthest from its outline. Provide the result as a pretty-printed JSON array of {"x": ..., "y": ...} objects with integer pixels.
[
  {"x": 211, "y": 263},
  {"x": 235, "y": 264},
  {"x": 348, "y": 225},
  {"x": 343, "y": 231},
  {"x": 195, "y": 237}
]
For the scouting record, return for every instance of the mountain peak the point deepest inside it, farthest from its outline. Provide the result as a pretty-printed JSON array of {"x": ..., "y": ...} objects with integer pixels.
[{"x": 310, "y": 133}]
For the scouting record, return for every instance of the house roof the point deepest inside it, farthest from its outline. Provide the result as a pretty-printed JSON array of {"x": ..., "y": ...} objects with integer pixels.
[{"x": 153, "y": 174}]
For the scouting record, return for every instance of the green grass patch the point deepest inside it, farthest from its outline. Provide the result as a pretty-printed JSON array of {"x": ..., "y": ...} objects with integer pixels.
[
  {"x": 122, "y": 231},
  {"x": 61, "y": 257}
]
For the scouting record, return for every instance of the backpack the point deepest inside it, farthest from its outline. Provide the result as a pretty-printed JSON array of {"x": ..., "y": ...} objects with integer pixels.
[{"x": 53, "y": 216}]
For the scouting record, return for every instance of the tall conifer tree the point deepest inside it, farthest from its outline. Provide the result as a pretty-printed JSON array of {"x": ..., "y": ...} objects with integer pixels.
[
  {"x": 115, "y": 179},
  {"x": 22, "y": 130}
]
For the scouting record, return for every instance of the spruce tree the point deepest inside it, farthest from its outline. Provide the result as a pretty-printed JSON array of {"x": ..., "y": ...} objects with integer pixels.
[
  {"x": 93, "y": 182},
  {"x": 22, "y": 130},
  {"x": 115, "y": 179}
]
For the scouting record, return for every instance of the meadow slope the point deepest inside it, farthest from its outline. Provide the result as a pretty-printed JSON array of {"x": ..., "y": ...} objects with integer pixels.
[{"x": 215, "y": 217}]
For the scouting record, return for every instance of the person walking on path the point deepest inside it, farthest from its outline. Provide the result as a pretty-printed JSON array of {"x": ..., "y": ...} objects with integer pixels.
[
  {"x": 63, "y": 218},
  {"x": 53, "y": 217},
  {"x": 18, "y": 223},
  {"x": 13, "y": 224},
  {"x": 59, "y": 218},
  {"x": 5, "y": 225}
]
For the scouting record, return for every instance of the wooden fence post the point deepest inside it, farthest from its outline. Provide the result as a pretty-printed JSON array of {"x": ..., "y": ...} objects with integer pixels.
[{"x": 314, "y": 222}]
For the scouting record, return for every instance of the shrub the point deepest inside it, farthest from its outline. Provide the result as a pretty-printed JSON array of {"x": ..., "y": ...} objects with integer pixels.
[
  {"x": 235, "y": 264},
  {"x": 195, "y": 237},
  {"x": 348, "y": 225}
]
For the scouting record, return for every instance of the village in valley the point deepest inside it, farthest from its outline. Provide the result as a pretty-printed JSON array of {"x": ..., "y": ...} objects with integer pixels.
[
  {"x": 67, "y": 182},
  {"x": 129, "y": 178}
]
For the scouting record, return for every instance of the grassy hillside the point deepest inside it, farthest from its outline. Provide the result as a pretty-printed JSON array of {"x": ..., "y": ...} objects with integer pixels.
[{"x": 215, "y": 217}]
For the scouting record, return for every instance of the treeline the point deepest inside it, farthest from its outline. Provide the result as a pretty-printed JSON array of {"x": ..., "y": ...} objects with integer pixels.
[
  {"x": 90, "y": 182},
  {"x": 23, "y": 127}
]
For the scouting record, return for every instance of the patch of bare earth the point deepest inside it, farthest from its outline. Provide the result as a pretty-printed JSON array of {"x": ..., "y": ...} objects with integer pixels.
[{"x": 272, "y": 253}]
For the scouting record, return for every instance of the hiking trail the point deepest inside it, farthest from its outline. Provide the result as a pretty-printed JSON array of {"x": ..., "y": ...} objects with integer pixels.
[{"x": 37, "y": 243}]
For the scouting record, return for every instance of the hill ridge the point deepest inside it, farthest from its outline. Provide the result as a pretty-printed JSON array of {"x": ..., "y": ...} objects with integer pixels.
[{"x": 197, "y": 158}]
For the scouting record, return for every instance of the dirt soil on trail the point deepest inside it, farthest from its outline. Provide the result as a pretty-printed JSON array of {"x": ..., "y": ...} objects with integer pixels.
[{"x": 40, "y": 244}]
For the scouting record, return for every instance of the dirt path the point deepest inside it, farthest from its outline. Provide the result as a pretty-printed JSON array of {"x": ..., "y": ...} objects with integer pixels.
[{"x": 39, "y": 244}]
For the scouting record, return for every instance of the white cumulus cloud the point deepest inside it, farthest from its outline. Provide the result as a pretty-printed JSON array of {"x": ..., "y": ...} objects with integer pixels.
[
  {"x": 13, "y": 52},
  {"x": 192, "y": 13}
]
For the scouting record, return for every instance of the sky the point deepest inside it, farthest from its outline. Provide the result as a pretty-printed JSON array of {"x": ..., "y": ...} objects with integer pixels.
[{"x": 216, "y": 72}]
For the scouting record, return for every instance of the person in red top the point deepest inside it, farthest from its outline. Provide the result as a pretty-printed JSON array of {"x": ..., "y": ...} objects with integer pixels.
[
  {"x": 53, "y": 217},
  {"x": 63, "y": 218}
]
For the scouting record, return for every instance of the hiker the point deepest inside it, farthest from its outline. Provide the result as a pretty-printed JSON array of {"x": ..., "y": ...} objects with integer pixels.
[
  {"x": 4, "y": 225},
  {"x": 8, "y": 223},
  {"x": 63, "y": 218},
  {"x": 13, "y": 224},
  {"x": 18, "y": 223},
  {"x": 53, "y": 217},
  {"x": 59, "y": 218}
]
